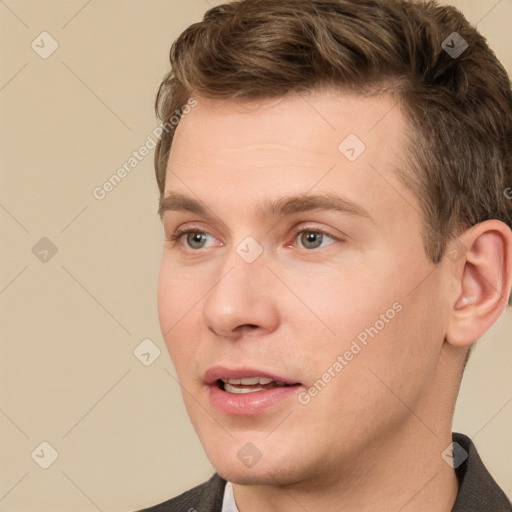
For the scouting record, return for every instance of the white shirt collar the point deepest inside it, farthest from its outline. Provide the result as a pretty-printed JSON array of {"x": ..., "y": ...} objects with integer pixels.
[{"x": 228, "y": 501}]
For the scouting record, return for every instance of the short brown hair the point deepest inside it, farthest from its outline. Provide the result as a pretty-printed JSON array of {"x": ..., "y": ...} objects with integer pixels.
[{"x": 458, "y": 108}]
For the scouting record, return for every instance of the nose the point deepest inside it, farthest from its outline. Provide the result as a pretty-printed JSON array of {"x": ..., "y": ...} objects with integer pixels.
[{"x": 243, "y": 300}]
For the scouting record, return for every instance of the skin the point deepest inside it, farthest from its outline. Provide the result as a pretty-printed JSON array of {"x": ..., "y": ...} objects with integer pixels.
[{"x": 372, "y": 438}]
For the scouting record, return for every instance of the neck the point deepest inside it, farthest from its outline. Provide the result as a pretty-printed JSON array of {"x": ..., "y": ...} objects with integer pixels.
[{"x": 402, "y": 472}]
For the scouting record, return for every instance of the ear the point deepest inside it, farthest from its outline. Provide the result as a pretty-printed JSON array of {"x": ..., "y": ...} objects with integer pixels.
[{"x": 483, "y": 279}]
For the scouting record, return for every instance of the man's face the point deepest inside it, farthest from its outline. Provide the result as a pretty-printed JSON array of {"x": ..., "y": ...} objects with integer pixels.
[{"x": 352, "y": 320}]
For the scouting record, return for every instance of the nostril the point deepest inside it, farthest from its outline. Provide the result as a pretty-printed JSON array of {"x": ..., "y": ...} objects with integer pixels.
[{"x": 247, "y": 327}]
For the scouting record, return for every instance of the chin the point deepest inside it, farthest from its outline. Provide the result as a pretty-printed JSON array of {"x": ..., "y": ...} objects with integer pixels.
[
  {"x": 246, "y": 478},
  {"x": 261, "y": 476},
  {"x": 269, "y": 470}
]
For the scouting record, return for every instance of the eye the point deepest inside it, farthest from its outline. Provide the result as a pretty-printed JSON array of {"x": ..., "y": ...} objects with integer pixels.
[
  {"x": 310, "y": 238},
  {"x": 194, "y": 238},
  {"x": 313, "y": 238}
]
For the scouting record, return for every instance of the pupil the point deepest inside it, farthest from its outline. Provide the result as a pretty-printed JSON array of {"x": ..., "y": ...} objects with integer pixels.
[
  {"x": 196, "y": 238},
  {"x": 312, "y": 238}
]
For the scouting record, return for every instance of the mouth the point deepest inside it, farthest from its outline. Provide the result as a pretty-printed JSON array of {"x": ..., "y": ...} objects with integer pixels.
[
  {"x": 250, "y": 385},
  {"x": 247, "y": 391}
]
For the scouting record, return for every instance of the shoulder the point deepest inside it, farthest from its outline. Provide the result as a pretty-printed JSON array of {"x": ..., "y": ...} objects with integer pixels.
[
  {"x": 478, "y": 491},
  {"x": 206, "y": 497}
]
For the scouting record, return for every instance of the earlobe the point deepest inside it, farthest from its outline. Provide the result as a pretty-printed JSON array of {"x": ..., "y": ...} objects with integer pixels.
[{"x": 484, "y": 277}]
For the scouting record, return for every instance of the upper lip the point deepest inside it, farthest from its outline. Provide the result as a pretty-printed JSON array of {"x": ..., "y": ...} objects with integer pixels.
[{"x": 215, "y": 373}]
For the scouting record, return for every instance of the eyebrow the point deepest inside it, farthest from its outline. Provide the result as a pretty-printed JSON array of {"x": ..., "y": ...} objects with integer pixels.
[{"x": 281, "y": 207}]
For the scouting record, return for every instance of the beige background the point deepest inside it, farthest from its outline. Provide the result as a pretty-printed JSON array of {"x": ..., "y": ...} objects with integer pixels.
[{"x": 70, "y": 325}]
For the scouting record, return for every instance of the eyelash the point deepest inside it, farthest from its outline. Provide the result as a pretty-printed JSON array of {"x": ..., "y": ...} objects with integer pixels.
[{"x": 308, "y": 229}]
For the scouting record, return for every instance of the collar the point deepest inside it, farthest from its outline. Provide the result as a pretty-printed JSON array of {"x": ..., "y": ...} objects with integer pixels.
[
  {"x": 478, "y": 491},
  {"x": 228, "y": 502}
]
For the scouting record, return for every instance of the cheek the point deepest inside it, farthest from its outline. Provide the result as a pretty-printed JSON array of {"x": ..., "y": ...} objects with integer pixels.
[
  {"x": 177, "y": 301},
  {"x": 165, "y": 299},
  {"x": 371, "y": 382},
  {"x": 398, "y": 362},
  {"x": 386, "y": 337},
  {"x": 340, "y": 301}
]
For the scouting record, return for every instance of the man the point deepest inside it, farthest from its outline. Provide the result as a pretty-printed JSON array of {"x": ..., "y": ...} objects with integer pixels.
[{"x": 337, "y": 237}]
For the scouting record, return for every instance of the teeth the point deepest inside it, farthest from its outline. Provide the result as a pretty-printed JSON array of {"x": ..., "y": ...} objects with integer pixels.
[
  {"x": 250, "y": 384},
  {"x": 232, "y": 389},
  {"x": 249, "y": 381}
]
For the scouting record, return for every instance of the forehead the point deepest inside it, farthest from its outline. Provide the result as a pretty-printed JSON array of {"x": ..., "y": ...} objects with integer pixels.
[
  {"x": 297, "y": 127},
  {"x": 234, "y": 154}
]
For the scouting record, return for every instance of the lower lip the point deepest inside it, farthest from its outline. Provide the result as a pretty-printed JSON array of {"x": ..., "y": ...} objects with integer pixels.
[{"x": 249, "y": 403}]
